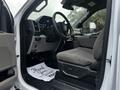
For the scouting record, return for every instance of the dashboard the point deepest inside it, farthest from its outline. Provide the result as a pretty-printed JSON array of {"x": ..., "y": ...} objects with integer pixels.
[
  {"x": 44, "y": 26},
  {"x": 43, "y": 35}
]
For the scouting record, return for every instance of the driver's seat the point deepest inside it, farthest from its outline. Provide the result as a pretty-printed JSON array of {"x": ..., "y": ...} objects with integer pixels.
[{"x": 80, "y": 61}]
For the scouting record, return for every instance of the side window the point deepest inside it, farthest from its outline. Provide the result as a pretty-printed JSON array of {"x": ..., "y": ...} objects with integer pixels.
[
  {"x": 95, "y": 23},
  {"x": 15, "y": 5},
  {"x": 6, "y": 18}
]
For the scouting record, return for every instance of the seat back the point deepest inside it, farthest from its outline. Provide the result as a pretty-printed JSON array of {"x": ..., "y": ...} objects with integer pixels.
[{"x": 97, "y": 48}]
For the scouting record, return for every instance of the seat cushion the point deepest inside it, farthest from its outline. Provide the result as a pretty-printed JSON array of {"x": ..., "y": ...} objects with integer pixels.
[{"x": 80, "y": 56}]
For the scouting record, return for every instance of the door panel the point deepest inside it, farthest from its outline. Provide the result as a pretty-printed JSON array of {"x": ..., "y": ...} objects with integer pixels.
[
  {"x": 8, "y": 72},
  {"x": 7, "y": 51}
]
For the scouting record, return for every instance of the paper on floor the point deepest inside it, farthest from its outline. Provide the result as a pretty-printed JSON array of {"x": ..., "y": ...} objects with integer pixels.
[{"x": 42, "y": 72}]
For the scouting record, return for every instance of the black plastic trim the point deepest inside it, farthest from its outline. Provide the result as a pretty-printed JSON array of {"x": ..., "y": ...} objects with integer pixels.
[{"x": 6, "y": 74}]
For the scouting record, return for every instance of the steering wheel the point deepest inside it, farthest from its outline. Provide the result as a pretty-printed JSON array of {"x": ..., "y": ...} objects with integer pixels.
[{"x": 66, "y": 32}]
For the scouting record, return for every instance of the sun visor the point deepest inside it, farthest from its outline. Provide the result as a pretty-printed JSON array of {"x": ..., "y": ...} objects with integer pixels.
[{"x": 68, "y": 4}]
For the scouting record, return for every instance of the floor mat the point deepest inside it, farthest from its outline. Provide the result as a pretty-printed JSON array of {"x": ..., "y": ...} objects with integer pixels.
[{"x": 42, "y": 72}]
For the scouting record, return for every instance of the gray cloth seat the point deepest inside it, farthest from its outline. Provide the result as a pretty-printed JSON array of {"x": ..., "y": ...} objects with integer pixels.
[{"x": 82, "y": 58}]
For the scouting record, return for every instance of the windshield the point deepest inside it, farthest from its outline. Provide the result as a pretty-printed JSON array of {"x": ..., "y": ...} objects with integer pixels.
[
  {"x": 73, "y": 15},
  {"x": 76, "y": 15}
]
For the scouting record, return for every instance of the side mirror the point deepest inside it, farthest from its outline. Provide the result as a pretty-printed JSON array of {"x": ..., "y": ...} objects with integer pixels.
[{"x": 92, "y": 26}]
